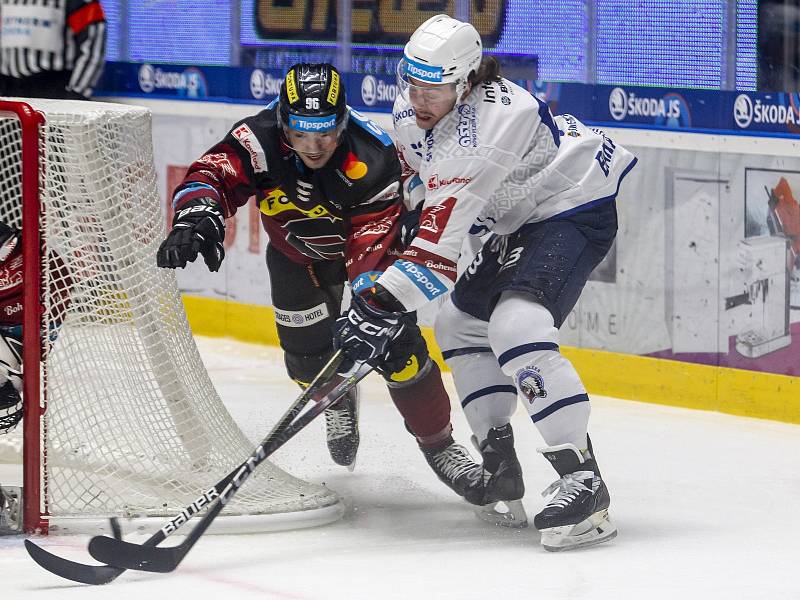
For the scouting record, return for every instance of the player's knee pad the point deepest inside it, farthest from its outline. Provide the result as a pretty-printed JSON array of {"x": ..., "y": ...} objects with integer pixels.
[
  {"x": 303, "y": 368},
  {"x": 457, "y": 332},
  {"x": 407, "y": 359},
  {"x": 519, "y": 326}
]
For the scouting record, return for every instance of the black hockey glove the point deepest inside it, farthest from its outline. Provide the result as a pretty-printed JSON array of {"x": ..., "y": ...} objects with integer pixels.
[
  {"x": 197, "y": 227},
  {"x": 406, "y": 343},
  {"x": 409, "y": 225},
  {"x": 364, "y": 333}
]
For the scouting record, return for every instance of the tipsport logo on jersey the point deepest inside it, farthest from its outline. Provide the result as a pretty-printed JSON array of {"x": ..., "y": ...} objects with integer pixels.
[
  {"x": 189, "y": 82},
  {"x": 638, "y": 106},
  {"x": 767, "y": 112}
]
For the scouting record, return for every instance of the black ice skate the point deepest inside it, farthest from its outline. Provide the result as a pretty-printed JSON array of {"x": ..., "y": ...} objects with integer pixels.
[
  {"x": 578, "y": 514},
  {"x": 341, "y": 424},
  {"x": 502, "y": 479},
  {"x": 454, "y": 466}
]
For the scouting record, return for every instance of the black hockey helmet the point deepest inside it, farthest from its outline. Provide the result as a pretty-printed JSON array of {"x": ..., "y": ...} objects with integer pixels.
[{"x": 312, "y": 99}]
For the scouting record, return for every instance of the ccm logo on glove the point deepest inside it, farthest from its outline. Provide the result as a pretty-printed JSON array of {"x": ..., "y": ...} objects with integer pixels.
[{"x": 367, "y": 327}]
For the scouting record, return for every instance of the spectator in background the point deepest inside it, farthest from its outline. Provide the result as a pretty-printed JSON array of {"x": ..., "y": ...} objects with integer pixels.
[{"x": 51, "y": 49}]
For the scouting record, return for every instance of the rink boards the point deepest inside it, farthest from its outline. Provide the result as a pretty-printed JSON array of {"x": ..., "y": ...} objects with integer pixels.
[{"x": 697, "y": 305}]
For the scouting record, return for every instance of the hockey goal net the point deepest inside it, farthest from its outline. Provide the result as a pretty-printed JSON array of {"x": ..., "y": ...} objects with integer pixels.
[{"x": 121, "y": 417}]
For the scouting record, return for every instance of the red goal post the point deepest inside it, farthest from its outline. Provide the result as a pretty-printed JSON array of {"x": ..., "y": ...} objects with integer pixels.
[{"x": 30, "y": 121}]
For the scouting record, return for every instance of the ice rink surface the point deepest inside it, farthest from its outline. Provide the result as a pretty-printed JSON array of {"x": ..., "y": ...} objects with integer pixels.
[{"x": 706, "y": 507}]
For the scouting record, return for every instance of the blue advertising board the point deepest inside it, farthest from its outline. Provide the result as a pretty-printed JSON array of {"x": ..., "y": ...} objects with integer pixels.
[{"x": 708, "y": 111}]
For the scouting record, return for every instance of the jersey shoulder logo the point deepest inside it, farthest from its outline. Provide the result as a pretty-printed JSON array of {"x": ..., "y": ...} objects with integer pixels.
[
  {"x": 220, "y": 161},
  {"x": 250, "y": 143}
]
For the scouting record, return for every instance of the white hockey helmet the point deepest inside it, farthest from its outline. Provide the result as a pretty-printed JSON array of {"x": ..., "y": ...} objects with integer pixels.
[{"x": 442, "y": 50}]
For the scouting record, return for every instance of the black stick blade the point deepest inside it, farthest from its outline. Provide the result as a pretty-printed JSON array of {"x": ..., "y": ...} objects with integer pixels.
[
  {"x": 91, "y": 574},
  {"x": 126, "y": 555}
]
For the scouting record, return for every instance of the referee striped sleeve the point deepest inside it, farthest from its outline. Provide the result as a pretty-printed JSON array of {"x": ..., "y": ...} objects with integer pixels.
[
  {"x": 90, "y": 61},
  {"x": 81, "y": 37}
]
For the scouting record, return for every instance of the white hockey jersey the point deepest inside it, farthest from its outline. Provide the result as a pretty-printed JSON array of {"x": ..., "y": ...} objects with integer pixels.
[{"x": 498, "y": 161}]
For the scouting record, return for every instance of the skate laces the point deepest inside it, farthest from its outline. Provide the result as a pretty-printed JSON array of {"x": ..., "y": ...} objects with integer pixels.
[
  {"x": 569, "y": 487},
  {"x": 338, "y": 422},
  {"x": 453, "y": 462}
]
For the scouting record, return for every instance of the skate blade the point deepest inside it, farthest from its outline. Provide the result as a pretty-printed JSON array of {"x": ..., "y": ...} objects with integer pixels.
[
  {"x": 349, "y": 466},
  {"x": 594, "y": 530},
  {"x": 513, "y": 517}
]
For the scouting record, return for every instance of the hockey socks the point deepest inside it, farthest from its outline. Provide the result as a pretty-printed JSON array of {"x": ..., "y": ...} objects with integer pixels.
[{"x": 424, "y": 404}]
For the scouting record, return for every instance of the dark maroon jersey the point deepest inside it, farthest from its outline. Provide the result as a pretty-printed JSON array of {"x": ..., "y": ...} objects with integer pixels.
[{"x": 309, "y": 215}]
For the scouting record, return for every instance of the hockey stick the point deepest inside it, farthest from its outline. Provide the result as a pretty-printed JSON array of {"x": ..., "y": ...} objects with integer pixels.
[
  {"x": 91, "y": 574},
  {"x": 147, "y": 557},
  {"x": 102, "y": 574}
]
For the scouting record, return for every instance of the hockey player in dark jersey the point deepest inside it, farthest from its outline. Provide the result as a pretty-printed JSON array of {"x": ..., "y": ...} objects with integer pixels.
[
  {"x": 11, "y": 301},
  {"x": 327, "y": 183},
  {"x": 10, "y": 327},
  {"x": 10, "y": 360}
]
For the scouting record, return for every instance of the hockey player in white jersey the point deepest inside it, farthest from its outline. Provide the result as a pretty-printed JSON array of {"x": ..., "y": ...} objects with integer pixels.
[{"x": 535, "y": 195}]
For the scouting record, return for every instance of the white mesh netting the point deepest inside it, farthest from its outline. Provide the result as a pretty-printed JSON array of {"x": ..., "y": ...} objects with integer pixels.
[{"x": 133, "y": 425}]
